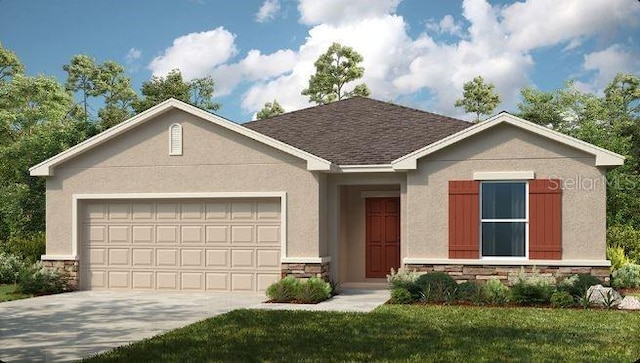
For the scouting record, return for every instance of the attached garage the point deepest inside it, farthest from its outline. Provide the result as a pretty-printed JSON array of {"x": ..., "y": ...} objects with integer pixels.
[{"x": 200, "y": 244}]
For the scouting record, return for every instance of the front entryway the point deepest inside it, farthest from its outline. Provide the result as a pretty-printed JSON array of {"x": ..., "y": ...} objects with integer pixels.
[{"x": 382, "y": 236}]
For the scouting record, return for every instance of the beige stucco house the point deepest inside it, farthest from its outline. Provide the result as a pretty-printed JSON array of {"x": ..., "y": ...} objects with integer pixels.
[{"x": 177, "y": 198}]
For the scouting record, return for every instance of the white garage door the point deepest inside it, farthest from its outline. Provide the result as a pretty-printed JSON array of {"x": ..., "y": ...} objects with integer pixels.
[{"x": 201, "y": 245}]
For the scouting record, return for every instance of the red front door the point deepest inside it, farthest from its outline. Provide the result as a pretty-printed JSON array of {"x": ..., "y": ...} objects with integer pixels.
[{"x": 382, "y": 236}]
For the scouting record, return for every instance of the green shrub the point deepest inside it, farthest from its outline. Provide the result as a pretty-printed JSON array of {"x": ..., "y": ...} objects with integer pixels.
[
  {"x": 494, "y": 292},
  {"x": 29, "y": 248},
  {"x": 312, "y": 291},
  {"x": 577, "y": 284},
  {"x": 437, "y": 286},
  {"x": 531, "y": 289},
  {"x": 38, "y": 280},
  {"x": 628, "y": 276},
  {"x": 400, "y": 295},
  {"x": 469, "y": 291},
  {"x": 284, "y": 290},
  {"x": 562, "y": 299},
  {"x": 628, "y": 238},
  {"x": 405, "y": 279},
  {"x": 10, "y": 267},
  {"x": 617, "y": 257}
]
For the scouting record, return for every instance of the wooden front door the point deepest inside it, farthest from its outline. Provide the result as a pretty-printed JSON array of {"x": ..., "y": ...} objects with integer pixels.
[{"x": 382, "y": 236}]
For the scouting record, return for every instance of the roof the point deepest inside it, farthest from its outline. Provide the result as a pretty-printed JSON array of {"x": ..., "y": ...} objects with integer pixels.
[
  {"x": 358, "y": 130},
  {"x": 46, "y": 168},
  {"x": 603, "y": 157}
]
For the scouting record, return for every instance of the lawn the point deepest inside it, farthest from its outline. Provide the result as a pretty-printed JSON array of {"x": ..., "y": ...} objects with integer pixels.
[
  {"x": 8, "y": 293},
  {"x": 398, "y": 333}
]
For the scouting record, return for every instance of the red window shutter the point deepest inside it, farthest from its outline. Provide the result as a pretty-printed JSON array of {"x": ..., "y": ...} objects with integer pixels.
[
  {"x": 545, "y": 219},
  {"x": 464, "y": 218}
]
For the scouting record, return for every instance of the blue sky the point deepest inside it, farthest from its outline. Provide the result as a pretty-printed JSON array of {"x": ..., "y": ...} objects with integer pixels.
[{"x": 417, "y": 53}]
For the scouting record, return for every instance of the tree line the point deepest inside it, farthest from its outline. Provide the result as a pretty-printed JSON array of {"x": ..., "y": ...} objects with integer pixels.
[{"x": 40, "y": 117}]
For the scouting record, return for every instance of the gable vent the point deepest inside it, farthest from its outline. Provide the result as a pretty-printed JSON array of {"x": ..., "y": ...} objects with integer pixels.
[{"x": 175, "y": 139}]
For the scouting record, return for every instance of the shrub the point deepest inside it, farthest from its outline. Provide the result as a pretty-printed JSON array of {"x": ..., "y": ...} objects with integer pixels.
[
  {"x": 531, "y": 289},
  {"x": 617, "y": 257},
  {"x": 284, "y": 290},
  {"x": 10, "y": 267},
  {"x": 314, "y": 290},
  {"x": 470, "y": 291},
  {"x": 38, "y": 280},
  {"x": 577, "y": 284},
  {"x": 400, "y": 295},
  {"x": 437, "y": 286},
  {"x": 628, "y": 238},
  {"x": 29, "y": 248},
  {"x": 405, "y": 279},
  {"x": 494, "y": 292},
  {"x": 628, "y": 276},
  {"x": 562, "y": 299}
]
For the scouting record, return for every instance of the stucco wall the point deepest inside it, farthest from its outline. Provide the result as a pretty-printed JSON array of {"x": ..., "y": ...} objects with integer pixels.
[
  {"x": 214, "y": 160},
  {"x": 507, "y": 148}
]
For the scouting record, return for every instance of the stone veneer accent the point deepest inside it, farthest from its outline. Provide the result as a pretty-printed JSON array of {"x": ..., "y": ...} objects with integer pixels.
[
  {"x": 68, "y": 268},
  {"x": 306, "y": 270},
  {"x": 506, "y": 274}
]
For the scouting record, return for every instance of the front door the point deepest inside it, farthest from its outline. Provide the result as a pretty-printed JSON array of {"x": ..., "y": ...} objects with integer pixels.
[{"x": 382, "y": 236}]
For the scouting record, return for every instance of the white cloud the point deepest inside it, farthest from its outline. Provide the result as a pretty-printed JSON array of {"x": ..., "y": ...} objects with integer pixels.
[
  {"x": 336, "y": 12},
  {"x": 268, "y": 11},
  {"x": 538, "y": 23},
  {"x": 606, "y": 63},
  {"x": 196, "y": 54},
  {"x": 133, "y": 54}
]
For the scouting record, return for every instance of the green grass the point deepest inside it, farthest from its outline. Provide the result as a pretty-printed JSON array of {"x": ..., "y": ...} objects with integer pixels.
[
  {"x": 8, "y": 293},
  {"x": 397, "y": 333}
]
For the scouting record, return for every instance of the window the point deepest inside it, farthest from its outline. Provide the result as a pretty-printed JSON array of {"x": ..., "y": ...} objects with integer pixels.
[
  {"x": 175, "y": 139},
  {"x": 504, "y": 219}
]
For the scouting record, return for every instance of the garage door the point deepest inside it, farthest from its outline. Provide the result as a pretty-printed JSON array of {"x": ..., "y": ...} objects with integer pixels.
[{"x": 203, "y": 245}]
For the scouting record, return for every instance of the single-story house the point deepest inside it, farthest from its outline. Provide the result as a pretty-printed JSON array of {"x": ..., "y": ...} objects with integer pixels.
[{"x": 177, "y": 198}]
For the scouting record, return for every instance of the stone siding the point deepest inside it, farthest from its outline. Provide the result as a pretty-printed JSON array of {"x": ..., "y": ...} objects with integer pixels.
[
  {"x": 506, "y": 274},
  {"x": 306, "y": 270},
  {"x": 68, "y": 268}
]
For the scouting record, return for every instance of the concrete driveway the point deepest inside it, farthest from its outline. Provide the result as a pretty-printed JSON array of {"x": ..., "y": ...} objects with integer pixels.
[{"x": 75, "y": 325}]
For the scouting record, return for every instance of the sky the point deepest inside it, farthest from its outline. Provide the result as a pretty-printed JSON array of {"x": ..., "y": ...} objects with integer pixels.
[{"x": 416, "y": 53}]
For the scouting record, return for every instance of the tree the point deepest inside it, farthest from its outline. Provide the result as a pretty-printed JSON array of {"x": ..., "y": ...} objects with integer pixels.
[
  {"x": 270, "y": 109},
  {"x": 198, "y": 92},
  {"x": 478, "y": 97},
  {"x": 82, "y": 75},
  {"x": 334, "y": 70},
  {"x": 10, "y": 65},
  {"x": 115, "y": 87}
]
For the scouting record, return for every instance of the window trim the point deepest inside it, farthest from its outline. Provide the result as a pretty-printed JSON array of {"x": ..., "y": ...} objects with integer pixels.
[
  {"x": 502, "y": 220},
  {"x": 171, "y": 128}
]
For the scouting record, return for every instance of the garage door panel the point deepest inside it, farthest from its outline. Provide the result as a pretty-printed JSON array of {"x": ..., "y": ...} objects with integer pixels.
[
  {"x": 191, "y": 258},
  {"x": 199, "y": 245},
  {"x": 118, "y": 256},
  {"x": 242, "y": 258},
  {"x": 217, "y": 258},
  {"x": 167, "y": 234},
  {"x": 217, "y": 234},
  {"x": 217, "y": 281},
  {"x": 191, "y": 234},
  {"x": 118, "y": 235},
  {"x": 118, "y": 279},
  {"x": 142, "y": 257},
  {"x": 143, "y": 280},
  {"x": 242, "y": 281},
  {"x": 242, "y": 234}
]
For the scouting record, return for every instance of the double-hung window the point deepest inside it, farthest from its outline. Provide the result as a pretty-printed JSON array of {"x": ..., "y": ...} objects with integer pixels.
[{"x": 504, "y": 219}]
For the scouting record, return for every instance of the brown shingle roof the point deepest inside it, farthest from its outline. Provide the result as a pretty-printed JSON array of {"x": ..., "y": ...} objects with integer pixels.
[{"x": 359, "y": 131}]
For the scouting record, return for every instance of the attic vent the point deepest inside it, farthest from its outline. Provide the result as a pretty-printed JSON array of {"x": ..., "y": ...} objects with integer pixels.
[{"x": 175, "y": 139}]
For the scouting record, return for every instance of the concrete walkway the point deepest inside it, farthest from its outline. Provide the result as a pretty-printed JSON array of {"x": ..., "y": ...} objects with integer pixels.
[{"x": 73, "y": 326}]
